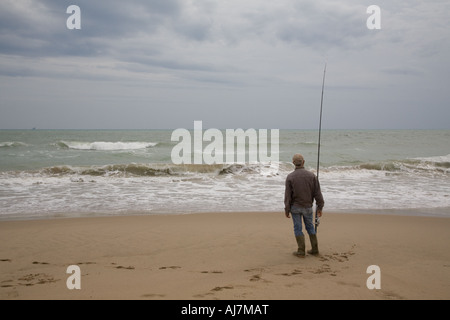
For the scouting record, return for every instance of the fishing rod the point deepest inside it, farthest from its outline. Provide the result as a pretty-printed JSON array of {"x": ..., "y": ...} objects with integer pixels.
[{"x": 317, "y": 219}]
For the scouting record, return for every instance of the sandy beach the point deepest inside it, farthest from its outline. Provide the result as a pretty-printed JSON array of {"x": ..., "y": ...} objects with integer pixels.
[{"x": 238, "y": 256}]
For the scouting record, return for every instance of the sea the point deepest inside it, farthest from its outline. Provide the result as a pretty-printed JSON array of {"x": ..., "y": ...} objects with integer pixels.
[{"x": 84, "y": 173}]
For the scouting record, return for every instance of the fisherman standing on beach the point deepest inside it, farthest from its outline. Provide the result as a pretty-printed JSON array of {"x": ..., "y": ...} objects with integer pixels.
[{"x": 302, "y": 188}]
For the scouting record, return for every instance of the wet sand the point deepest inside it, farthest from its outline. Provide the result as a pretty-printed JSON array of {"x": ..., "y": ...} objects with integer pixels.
[{"x": 237, "y": 256}]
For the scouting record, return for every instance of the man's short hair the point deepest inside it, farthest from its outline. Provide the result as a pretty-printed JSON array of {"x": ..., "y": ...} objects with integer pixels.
[{"x": 298, "y": 159}]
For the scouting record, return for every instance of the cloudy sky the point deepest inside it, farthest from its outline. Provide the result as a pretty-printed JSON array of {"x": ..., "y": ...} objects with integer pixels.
[{"x": 151, "y": 64}]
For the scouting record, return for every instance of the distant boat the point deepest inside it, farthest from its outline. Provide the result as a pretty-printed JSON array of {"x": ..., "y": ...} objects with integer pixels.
[{"x": 34, "y": 128}]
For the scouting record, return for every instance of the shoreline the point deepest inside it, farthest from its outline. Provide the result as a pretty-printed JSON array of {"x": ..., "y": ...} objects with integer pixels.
[
  {"x": 224, "y": 255},
  {"x": 415, "y": 212}
]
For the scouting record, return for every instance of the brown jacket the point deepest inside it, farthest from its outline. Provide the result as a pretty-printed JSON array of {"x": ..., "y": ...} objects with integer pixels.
[{"x": 302, "y": 187}]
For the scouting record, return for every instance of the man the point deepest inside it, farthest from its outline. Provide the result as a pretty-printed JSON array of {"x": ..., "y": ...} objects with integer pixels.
[{"x": 302, "y": 188}]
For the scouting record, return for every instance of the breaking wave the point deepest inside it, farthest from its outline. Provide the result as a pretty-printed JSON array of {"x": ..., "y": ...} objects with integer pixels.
[
  {"x": 431, "y": 164},
  {"x": 12, "y": 144},
  {"x": 106, "y": 146},
  {"x": 419, "y": 166},
  {"x": 154, "y": 170}
]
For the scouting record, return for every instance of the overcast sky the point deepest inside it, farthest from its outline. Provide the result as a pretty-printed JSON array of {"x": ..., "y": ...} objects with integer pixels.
[{"x": 151, "y": 64}]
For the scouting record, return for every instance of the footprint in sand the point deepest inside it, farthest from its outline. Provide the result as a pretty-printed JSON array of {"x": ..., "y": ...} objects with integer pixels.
[
  {"x": 127, "y": 268},
  {"x": 255, "y": 269},
  {"x": 293, "y": 273},
  {"x": 153, "y": 295},
  {"x": 390, "y": 295},
  {"x": 5, "y": 284},
  {"x": 171, "y": 267},
  {"x": 115, "y": 264},
  {"x": 222, "y": 288},
  {"x": 339, "y": 256},
  {"x": 257, "y": 277},
  {"x": 37, "y": 278},
  {"x": 203, "y": 295},
  {"x": 325, "y": 268}
]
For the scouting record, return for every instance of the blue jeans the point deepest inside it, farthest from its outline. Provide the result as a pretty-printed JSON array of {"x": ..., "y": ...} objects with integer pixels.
[{"x": 307, "y": 214}]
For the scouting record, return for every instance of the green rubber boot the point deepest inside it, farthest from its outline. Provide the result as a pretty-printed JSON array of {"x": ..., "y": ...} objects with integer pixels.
[
  {"x": 314, "y": 245},
  {"x": 301, "y": 247}
]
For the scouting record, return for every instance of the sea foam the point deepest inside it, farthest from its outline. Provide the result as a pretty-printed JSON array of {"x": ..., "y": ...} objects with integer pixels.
[{"x": 106, "y": 146}]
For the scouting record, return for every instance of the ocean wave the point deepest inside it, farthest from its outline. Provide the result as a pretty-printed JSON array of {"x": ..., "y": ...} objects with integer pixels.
[
  {"x": 106, "y": 146},
  {"x": 438, "y": 161},
  {"x": 432, "y": 165},
  {"x": 150, "y": 187},
  {"x": 12, "y": 144},
  {"x": 417, "y": 167},
  {"x": 260, "y": 168},
  {"x": 156, "y": 169}
]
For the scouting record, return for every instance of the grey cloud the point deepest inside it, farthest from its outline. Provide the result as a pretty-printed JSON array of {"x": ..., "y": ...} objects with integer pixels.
[
  {"x": 40, "y": 30},
  {"x": 314, "y": 25},
  {"x": 39, "y": 27},
  {"x": 234, "y": 55},
  {"x": 404, "y": 71}
]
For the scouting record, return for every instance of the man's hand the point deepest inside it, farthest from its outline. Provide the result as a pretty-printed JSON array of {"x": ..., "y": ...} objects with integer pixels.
[
  {"x": 319, "y": 213},
  {"x": 287, "y": 215}
]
